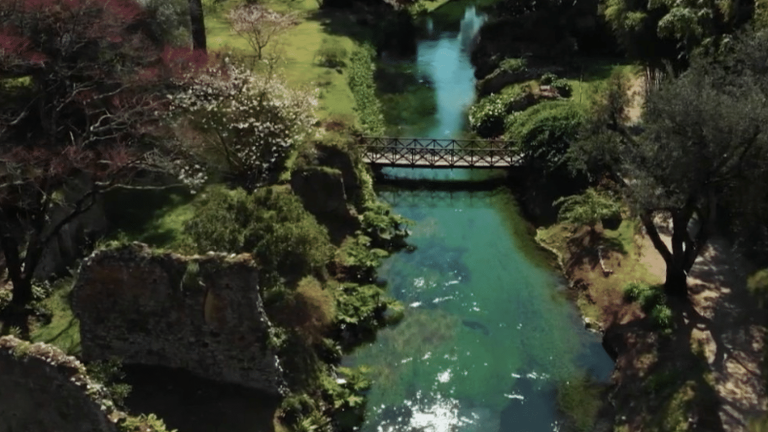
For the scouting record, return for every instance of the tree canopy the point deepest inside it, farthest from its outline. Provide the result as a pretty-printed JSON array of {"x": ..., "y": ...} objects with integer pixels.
[
  {"x": 704, "y": 143},
  {"x": 81, "y": 86}
]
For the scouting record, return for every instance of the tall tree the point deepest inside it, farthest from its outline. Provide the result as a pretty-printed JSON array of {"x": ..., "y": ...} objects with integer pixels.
[
  {"x": 259, "y": 25},
  {"x": 197, "y": 25},
  {"x": 704, "y": 146},
  {"x": 81, "y": 88},
  {"x": 669, "y": 31}
]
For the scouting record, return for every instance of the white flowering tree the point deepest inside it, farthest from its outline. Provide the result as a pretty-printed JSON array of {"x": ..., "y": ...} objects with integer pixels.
[
  {"x": 239, "y": 123},
  {"x": 259, "y": 25}
]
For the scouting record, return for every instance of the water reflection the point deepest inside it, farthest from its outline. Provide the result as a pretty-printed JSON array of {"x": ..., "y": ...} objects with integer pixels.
[{"x": 446, "y": 61}]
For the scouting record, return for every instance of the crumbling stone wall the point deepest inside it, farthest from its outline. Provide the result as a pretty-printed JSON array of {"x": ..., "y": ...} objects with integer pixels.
[
  {"x": 43, "y": 390},
  {"x": 203, "y": 314}
]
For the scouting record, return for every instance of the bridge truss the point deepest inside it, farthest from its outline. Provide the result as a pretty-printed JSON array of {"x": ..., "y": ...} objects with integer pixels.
[{"x": 438, "y": 153}]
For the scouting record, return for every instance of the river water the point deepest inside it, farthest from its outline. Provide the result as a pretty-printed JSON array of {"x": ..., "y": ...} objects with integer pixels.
[{"x": 487, "y": 335}]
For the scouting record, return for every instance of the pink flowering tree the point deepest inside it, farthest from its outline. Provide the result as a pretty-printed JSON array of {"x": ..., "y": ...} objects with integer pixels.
[
  {"x": 241, "y": 124},
  {"x": 81, "y": 92},
  {"x": 259, "y": 25}
]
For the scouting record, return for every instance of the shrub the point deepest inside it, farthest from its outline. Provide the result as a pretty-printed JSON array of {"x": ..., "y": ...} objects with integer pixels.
[
  {"x": 487, "y": 117},
  {"x": 331, "y": 53},
  {"x": 313, "y": 309},
  {"x": 359, "y": 306},
  {"x": 143, "y": 423},
  {"x": 653, "y": 301},
  {"x": 661, "y": 316},
  {"x": 513, "y": 65},
  {"x": 548, "y": 78},
  {"x": 271, "y": 224},
  {"x": 544, "y": 131},
  {"x": 360, "y": 79},
  {"x": 563, "y": 87}
]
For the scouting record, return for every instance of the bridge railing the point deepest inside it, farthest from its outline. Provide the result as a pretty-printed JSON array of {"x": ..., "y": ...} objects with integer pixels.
[{"x": 437, "y": 152}]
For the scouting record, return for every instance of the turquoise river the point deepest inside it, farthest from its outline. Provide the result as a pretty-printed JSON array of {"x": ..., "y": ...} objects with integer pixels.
[{"x": 487, "y": 334}]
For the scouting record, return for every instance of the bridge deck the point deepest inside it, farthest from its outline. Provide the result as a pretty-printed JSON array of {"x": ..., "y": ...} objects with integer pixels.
[
  {"x": 496, "y": 163},
  {"x": 436, "y": 153}
]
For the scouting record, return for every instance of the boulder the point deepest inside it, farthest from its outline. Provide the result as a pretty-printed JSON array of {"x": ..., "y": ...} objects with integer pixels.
[{"x": 42, "y": 389}]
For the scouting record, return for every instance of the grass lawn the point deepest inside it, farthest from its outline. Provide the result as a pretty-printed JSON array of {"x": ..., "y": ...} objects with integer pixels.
[
  {"x": 594, "y": 75},
  {"x": 621, "y": 255},
  {"x": 298, "y": 47},
  {"x": 154, "y": 217},
  {"x": 64, "y": 329}
]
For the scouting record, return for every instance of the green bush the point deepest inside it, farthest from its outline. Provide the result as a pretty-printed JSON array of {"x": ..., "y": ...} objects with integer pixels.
[
  {"x": 331, "y": 53},
  {"x": 363, "y": 87},
  {"x": 653, "y": 301},
  {"x": 270, "y": 224},
  {"x": 548, "y": 78},
  {"x": 143, "y": 423},
  {"x": 487, "y": 117},
  {"x": 544, "y": 132},
  {"x": 662, "y": 317},
  {"x": 563, "y": 87},
  {"x": 513, "y": 64}
]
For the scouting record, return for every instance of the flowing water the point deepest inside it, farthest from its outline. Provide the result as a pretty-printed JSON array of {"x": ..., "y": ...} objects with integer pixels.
[{"x": 487, "y": 334}]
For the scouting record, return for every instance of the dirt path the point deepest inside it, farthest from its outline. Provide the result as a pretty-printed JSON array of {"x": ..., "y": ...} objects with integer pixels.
[
  {"x": 730, "y": 328},
  {"x": 636, "y": 97}
]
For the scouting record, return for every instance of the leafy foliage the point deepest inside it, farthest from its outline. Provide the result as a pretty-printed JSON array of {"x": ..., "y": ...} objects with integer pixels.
[
  {"x": 487, "y": 116},
  {"x": 360, "y": 79},
  {"x": 245, "y": 124},
  {"x": 704, "y": 144},
  {"x": 271, "y": 224},
  {"x": 653, "y": 302},
  {"x": 358, "y": 305},
  {"x": 143, "y": 423},
  {"x": 544, "y": 132},
  {"x": 669, "y": 31},
  {"x": 109, "y": 373},
  {"x": 310, "y": 309},
  {"x": 80, "y": 118},
  {"x": 589, "y": 208},
  {"x": 513, "y": 65}
]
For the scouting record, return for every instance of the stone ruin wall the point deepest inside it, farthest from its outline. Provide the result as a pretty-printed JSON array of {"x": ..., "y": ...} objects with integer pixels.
[
  {"x": 202, "y": 314},
  {"x": 43, "y": 390}
]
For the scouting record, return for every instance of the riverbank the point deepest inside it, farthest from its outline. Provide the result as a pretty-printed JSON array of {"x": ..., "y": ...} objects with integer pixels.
[{"x": 702, "y": 373}]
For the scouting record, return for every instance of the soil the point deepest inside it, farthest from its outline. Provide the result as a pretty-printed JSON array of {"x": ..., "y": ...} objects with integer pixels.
[{"x": 722, "y": 322}]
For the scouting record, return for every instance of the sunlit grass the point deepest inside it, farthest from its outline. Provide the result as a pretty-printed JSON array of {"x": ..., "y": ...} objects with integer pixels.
[
  {"x": 64, "y": 329},
  {"x": 155, "y": 217},
  {"x": 297, "y": 47}
]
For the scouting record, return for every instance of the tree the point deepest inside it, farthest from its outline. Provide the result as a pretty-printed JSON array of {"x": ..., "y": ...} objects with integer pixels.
[
  {"x": 704, "y": 146},
  {"x": 197, "y": 24},
  {"x": 589, "y": 208},
  {"x": 662, "y": 31},
  {"x": 81, "y": 87},
  {"x": 259, "y": 25},
  {"x": 239, "y": 123}
]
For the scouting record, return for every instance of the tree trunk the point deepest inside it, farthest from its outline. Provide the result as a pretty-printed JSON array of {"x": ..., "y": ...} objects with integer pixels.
[
  {"x": 676, "y": 284},
  {"x": 16, "y": 313},
  {"x": 197, "y": 25}
]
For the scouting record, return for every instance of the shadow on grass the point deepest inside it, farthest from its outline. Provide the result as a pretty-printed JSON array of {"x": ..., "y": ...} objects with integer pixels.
[
  {"x": 664, "y": 382},
  {"x": 147, "y": 215},
  {"x": 191, "y": 404}
]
